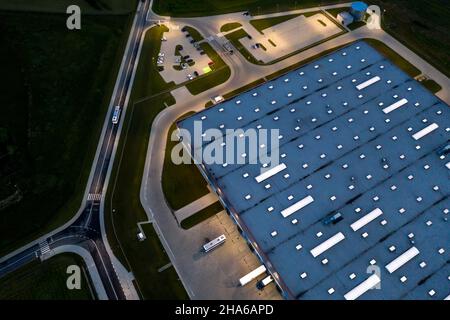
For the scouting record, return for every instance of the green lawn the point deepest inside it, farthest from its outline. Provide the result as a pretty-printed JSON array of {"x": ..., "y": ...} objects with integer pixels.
[
  {"x": 149, "y": 94},
  {"x": 56, "y": 89},
  {"x": 46, "y": 281},
  {"x": 219, "y": 74},
  {"x": 179, "y": 8},
  {"x": 202, "y": 215},
  {"x": 230, "y": 26},
  {"x": 182, "y": 184}
]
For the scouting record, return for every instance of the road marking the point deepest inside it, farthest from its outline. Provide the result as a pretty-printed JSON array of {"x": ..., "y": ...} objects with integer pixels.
[
  {"x": 44, "y": 247},
  {"x": 94, "y": 196}
]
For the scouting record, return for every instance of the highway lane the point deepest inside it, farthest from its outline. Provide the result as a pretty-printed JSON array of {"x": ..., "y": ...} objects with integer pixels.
[{"x": 86, "y": 230}]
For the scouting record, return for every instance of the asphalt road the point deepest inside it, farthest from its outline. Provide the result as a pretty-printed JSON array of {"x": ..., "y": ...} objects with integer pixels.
[{"x": 86, "y": 230}]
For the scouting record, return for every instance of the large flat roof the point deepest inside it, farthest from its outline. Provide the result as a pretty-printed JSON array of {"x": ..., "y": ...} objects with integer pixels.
[{"x": 359, "y": 137}]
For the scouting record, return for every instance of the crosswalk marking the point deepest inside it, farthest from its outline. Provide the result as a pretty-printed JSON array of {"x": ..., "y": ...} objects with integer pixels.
[
  {"x": 44, "y": 247},
  {"x": 94, "y": 196}
]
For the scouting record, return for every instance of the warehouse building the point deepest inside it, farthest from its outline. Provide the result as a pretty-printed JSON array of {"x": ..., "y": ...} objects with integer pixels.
[{"x": 357, "y": 206}]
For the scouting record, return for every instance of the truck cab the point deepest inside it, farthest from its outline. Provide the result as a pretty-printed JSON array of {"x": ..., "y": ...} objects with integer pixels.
[{"x": 264, "y": 282}]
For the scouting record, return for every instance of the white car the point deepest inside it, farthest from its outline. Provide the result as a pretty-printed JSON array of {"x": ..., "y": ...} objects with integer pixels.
[
  {"x": 190, "y": 76},
  {"x": 161, "y": 54},
  {"x": 163, "y": 39}
]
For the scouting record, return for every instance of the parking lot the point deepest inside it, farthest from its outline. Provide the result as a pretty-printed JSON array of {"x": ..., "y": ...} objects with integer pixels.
[
  {"x": 216, "y": 274},
  {"x": 180, "y": 57}
]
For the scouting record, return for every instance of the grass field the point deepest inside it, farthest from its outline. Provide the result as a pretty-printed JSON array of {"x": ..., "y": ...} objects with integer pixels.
[
  {"x": 46, "y": 281},
  {"x": 148, "y": 98},
  {"x": 176, "y": 179},
  {"x": 56, "y": 88},
  {"x": 178, "y": 8}
]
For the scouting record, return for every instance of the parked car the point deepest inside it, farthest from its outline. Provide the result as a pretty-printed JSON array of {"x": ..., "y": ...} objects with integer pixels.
[
  {"x": 250, "y": 37},
  {"x": 183, "y": 29},
  {"x": 192, "y": 41},
  {"x": 189, "y": 61},
  {"x": 163, "y": 39},
  {"x": 202, "y": 52},
  {"x": 196, "y": 73},
  {"x": 190, "y": 77},
  {"x": 186, "y": 57}
]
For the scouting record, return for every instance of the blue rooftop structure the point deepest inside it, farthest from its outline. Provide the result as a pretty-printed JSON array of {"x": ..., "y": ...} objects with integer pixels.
[
  {"x": 358, "y": 137},
  {"x": 358, "y": 10}
]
